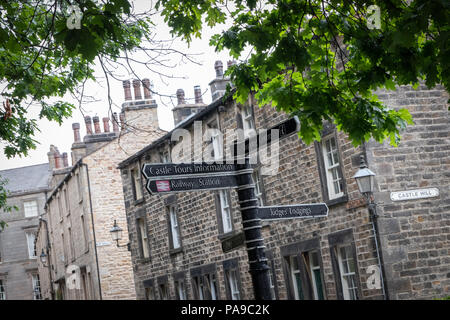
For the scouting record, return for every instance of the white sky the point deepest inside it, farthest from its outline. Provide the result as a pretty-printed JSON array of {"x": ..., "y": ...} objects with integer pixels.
[{"x": 62, "y": 136}]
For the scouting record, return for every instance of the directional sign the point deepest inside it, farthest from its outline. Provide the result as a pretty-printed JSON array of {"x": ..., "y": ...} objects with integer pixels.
[
  {"x": 285, "y": 129},
  {"x": 233, "y": 242},
  {"x": 186, "y": 169},
  {"x": 191, "y": 184},
  {"x": 313, "y": 210}
]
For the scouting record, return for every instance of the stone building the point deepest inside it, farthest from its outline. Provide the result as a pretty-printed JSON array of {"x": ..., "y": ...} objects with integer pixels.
[
  {"x": 86, "y": 199},
  {"x": 179, "y": 241},
  {"x": 27, "y": 187}
]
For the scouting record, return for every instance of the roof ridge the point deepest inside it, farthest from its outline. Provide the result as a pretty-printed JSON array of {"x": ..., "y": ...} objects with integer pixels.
[{"x": 17, "y": 168}]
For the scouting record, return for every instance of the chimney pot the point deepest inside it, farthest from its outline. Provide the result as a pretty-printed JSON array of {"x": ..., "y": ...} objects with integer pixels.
[
  {"x": 137, "y": 89},
  {"x": 230, "y": 63},
  {"x": 88, "y": 122},
  {"x": 115, "y": 122},
  {"x": 65, "y": 160},
  {"x": 126, "y": 89},
  {"x": 96, "y": 121},
  {"x": 218, "y": 65},
  {"x": 180, "y": 96},
  {"x": 57, "y": 161},
  {"x": 76, "y": 132},
  {"x": 146, "y": 85},
  {"x": 198, "y": 94},
  {"x": 105, "y": 124}
]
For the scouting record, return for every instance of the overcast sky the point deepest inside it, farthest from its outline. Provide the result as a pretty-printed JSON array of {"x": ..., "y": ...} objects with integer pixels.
[{"x": 62, "y": 136}]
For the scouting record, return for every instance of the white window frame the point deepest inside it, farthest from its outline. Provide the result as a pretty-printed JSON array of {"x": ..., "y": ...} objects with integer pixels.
[
  {"x": 314, "y": 268},
  {"x": 350, "y": 293},
  {"x": 36, "y": 285},
  {"x": 163, "y": 291},
  {"x": 174, "y": 228},
  {"x": 212, "y": 284},
  {"x": 294, "y": 272},
  {"x": 30, "y": 211},
  {"x": 335, "y": 166},
  {"x": 136, "y": 176},
  {"x": 248, "y": 123},
  {"x": 144, "y": 238},
  {"x": 181, "y": 289},
  {"x": 199, "y": 283},
  {"x": 31, "y": 245},
  {"x": 272, "y": 283},
  {"x": 233, "y": 284},
  {"x": 225, "y": 209},
  {"x": 2, "y": 289},
  {"x": 258, "y": 189}
]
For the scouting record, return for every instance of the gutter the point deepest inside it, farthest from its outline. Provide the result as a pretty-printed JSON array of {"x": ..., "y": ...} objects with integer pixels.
[{"x": 93, "y": 228}]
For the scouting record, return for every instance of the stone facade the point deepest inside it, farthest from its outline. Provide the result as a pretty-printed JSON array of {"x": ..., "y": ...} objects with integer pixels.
[
  {"x": 85, "y": 203},
  {"x": 333, "y": 257},
  {"x": 18, "y": 264}
]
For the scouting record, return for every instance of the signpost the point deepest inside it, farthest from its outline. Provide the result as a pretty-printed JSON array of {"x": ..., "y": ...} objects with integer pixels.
[
  {"x": 170, "y": 177},
  {"x": 314, "y": 210}
]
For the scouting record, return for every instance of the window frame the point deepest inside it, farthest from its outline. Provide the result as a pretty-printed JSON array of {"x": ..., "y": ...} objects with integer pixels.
[
  {"x": 178, "y": 278},
  {"x": 2, "y": 289},
  {"x": 136, "y": 184},
  {"x": 35, "y": 279},
  {"x": 336, "y": 240},
  {"x": 220, "y": 213},
  {"x": 327, "y": 133},
  {"x": 141, "y": 239},
  {"x": 201, "y": 275},
  {"x": 25, "y": 210},
  {"x": 298, "y": 251},
  {"x": 232, "y": 265},
  {"x": 149, "y": 284},
  {"x": 169, "y": 209},
  {"x": 27, "y": 235}
]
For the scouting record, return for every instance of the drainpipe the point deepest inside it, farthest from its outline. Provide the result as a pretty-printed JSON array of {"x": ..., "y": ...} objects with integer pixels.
[
  {"x": 93, "y": 230},
  {"x": 52, "y": 292}
]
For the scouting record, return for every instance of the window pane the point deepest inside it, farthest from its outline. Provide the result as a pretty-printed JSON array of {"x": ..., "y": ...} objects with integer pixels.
[{"x": 30, "y": 208}]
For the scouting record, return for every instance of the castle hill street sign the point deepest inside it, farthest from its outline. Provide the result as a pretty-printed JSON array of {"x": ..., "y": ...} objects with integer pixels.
[
  {"x": 191, "y": 184},
  {"x": 414, "y": 194},
  {"x": 313, "y": 210}
]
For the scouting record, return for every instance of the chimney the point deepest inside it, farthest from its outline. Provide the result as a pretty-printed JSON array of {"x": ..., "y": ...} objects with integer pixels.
[
  {"x": 137, "y": 89},
  {"x": 76, "y": 132},
  {"x": 218, "y": 65},
  {"x": 88, "y": 122},
  {"x": 230, "y": 63},
  {"x": 114, "y": 122},
  {"x": 65, "y": 160},
  {"x": 105, "y": 124},
  {"x": 96, "y": 121},
  {"x": 218, "y": 85},
  {"x": 126, "y": 89},
  {"x": 180, "y": 96},
  {"x": 57, "y": 160},
  {"x": 146, "y": 85},
  {"x": 198, "y": 94}
]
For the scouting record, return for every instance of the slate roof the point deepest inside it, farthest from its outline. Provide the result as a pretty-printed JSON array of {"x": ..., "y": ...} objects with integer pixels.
[{"x": 27, "y": 179}]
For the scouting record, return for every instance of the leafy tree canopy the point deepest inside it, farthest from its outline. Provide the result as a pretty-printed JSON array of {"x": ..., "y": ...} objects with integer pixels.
[{"x": 323, "y": 60}]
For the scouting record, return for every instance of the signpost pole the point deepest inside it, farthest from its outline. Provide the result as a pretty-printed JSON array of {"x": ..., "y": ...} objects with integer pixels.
[{"x": 248, "y": 202}]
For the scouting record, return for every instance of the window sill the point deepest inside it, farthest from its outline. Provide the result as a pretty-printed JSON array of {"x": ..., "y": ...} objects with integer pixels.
[
  {"x": 139, "y": 201},
  {"x": 225, "y": 236},
  {"x": 175, "y": 251},
  {"x": 144, "y": 260},
  {"x": 340, "y": 200}
]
